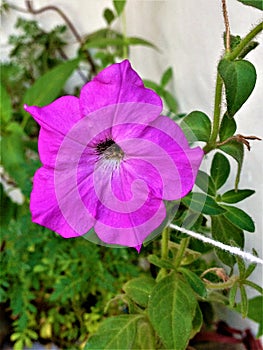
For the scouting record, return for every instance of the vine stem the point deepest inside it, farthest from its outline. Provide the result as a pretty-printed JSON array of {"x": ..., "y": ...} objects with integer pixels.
[{"x": 227, "y": 26}]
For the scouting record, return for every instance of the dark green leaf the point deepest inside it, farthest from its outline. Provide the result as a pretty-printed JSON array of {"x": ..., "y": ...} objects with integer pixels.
[
  {"x": 251, "y": 46},
  {"x": 162, "y": 263},
  {"x": 5, "y": 105},
  {"x": 119, "y": 6},
  {"x": 171, "y": 311},
  {"x": 49, "y": 85},
  {"x": 115, "y": 333},
  {"x": 220, "y": 170},
  {"x": 239, "y": 218},
  {"x": 108, "y": 15},
  {"x": 205, "y": 183},
  {"x": 239, "y": 78},
  {"x": 167, "y": 76},
  {"x": 197, "y": 124},
  {"x": 255, "y": 3},
  {"x": 225, "y": 232},
  {"x": 233, "y": 196},
  {"x": 197, "y": 321},
  {"x": 194, "y": 281},
  {"x": 227, "y": 128},
  {"x": 201, "y": 203},
  {"x": 139, "y": 289}
]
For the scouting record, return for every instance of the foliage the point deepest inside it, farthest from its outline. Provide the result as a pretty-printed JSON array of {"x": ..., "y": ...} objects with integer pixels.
[{"x": 56, "y": 289}]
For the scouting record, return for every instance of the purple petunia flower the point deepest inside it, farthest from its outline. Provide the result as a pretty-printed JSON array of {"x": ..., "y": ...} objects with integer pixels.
[{"x": 109, "y": 161}]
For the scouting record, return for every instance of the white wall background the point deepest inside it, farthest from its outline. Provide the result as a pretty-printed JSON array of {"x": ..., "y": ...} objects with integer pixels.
[{"x": 189, "y": 35}]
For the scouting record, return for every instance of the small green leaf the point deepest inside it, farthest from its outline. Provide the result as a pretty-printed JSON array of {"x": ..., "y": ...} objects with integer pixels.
[
  {"x": 232, "y": 295},
  {"x": 205, "y": 183},
  {"x": 227, "y": 128},
  {"x": 201, "y": 203},
  {"x": 244, "y": 301},
  {"x": 197, "y": 123},
  {"x": 255, "y": 3},
  {"x": 139, "y": 41},
  {"x": 145, "y": 337},
  {"x": 5, "y": 105},
  {"x": 115, "y": 333},
  {"x": 225, "y": 232},
  {"x": 239, "y": 78},
  {"x": 119, "y": 6},
  {"x": 162, "y": 263},
  {"x": 220, "y": 170},
  {"x": 170, "y": 101},
  {"x": 49, "y": 85},
  {"x": 235, "y": 150},
  {"x": 197, "y": 321},
  {"x": 139, "y": 290},
  {"x": 171, "y": 311},
  {"x": 194, "y": 281},
  {"x": 250, "y": 269},
  {"x": 233, "y": 196},
  {"x": 108, "y": 15},
  {"x": 239, "y": 218},
  {"x": 167, "y": 76}
]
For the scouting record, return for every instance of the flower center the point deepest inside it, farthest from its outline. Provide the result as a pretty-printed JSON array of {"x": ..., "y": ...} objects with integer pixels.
[{"x": 110, "y": 150}]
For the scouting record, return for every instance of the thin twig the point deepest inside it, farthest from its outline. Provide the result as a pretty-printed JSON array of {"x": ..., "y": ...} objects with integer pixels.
[
  {"x": 227, "y": 26},
  {"x": 74, "y": 31},
  {"x": 239, "y": 138}
]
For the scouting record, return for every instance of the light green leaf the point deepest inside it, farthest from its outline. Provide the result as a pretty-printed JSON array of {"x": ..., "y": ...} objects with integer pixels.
[
  {"x": 115, "y": 333},
  {"x": 239, "y": 78},
  {"x": 167, "y": 76},
  {"x": 255, "y": 3},
  {"x": 233, "y": 196},
  {"x": 170, "y": 101},
  {"x": 220, "y": 169},
  {"x": 225, "y": 232},
  {"x": 119, "y": 6},
  {"x": 139, "y": 41},
  {"x": 5, "y": 105},
  {"x": 201, "y": 203},
  {"x": 227, "y": 128},
  {"x": 239, "y": 218},
  {"x": 105, "y": 42},
  {"x": 194, "y": 281},
  {"x": 49, "y": 85},
  {"x": 171, "y": 311},
  {"x": 197, "y": 321},
  {"x": 197, "y": 123},
  {"x": 145, "y": 337},
  {"x": 205, "y": 183},
  {"x": 139, "y": 289}
]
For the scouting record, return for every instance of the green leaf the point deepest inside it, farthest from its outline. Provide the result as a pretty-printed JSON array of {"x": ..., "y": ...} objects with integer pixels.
[
  {"x": 139, "y": 290},
  {"x": 5, "y": 105},
  {"x": 225, "y": 232},
  {"x": 227, "y": 128},
  {"x": 232, "y": 295},
  {"x": 115, "y": 333},
  {"x": 239, "y": 218},
  {"x": 139, "y": 41},
  {"x": 239, "y": 78},
  {"x": 171, "y": 311},
  {"x": 108, "y": 15},
  {"x": 205, "y": 183},
  {"x": 197, "y": 321},
  {"x": 201, "y": 203},
  {"x": 194, "y": 281},
  {"x": 244, "y": 301},
  {"x": 119, "y": 6},
  {"x": 197, "y": 123},
  {"x": 233, "y": 196},
  {"x": 220, "y": 169},
  {"x": 167, "y": 76},
  {"x": 49, "y": 85},
  {"x": 235, "y": 150},
  {"x": 162, "y": 263},
  {"x": 105, "y": 42},
  {"x": 145, "y": 337},
  {"x": 170, "y": 101},
  {"x": 255, "y": 3}
]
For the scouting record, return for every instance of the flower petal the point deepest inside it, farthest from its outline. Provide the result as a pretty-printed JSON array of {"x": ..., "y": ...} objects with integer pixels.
[{"x": 116, "y": 84}]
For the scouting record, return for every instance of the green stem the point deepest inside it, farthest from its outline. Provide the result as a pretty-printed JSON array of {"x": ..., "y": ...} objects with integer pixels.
[
  {"x": 164, "y": 251},
  {"x": 180, "y": 254},
  {"x": 244, "y": 42},
  {"x": 222, "y": 285},
  {"x": 124, "y": 32},
  {"x": 217, "y": 111}
]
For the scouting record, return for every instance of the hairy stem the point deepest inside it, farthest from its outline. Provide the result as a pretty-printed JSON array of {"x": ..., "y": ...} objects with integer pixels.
[
  {"x": 227, "y": 26},
  {"x": 180, "y": 254},
  {"x": 244, "y": 42},
  {"x": 164, "y": 251}
]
